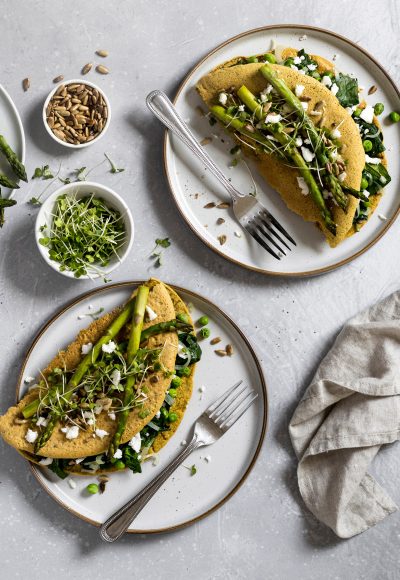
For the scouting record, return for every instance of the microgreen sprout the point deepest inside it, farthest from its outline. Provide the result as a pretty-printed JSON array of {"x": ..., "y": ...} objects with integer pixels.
[
  {"x": 113, "y": 167},
  {"x": 85, "y": 233},
  {"x": 157, "y": 253}
]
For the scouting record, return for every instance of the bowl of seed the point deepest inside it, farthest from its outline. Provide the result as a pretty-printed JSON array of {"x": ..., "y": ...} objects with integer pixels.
[
  {"x": 84, "y": 230},
  {"x": 76, "y": 113}
]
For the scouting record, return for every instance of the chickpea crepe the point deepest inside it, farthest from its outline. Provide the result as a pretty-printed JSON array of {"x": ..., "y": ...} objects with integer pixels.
[
  {"x": 304, "y": 126},
  {"x": 134, "y": 369}
]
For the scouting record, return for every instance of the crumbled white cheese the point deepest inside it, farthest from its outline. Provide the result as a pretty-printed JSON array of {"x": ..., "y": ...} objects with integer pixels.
[
  {"x": 90, "y": 422},
  {"x": 297, "y": 60},
  {"x": 334, "y": 153},
  {"x": 273, "y": 118},
  {"x": 222, "y": 98},
  {"x": 307, "y": 154},
  {"x": 382, "y": 217},
  {"x": 87, "y": 414},
  {"x": 307, "y": 141},
  {"x": 109, "y": 347},
  {"x": 183, "y": 442},
  {"x": 46, "y": 461},
  {"x": 81, "y": 316},
  {"x": 303, "y": 37},
  {"x": 302, "y": 72},
  {"x": 326, "y": 81},
  {"x": 298, "y": 141},
  {"x": 118, "y": 454},
  {"x": 334, "y": 89},
  {"x": 98, "y": 409},
  {"x": 79, "y": 460},
  {"x": 158, "y": 415},
  {"x": 298, "y": 90},
  {"x": 71, "y": 432},
  {"x": 304, "y": 104},
  {"x": 312, "y": 67},
  {"x": 101, "y": 433},
  {"x": 373, "y": 160},
  {"x": 28, "y": 380},
  {"x": 151, "y": 315},
  {"x": 303, "y": 186},
  {"x": 42, "y": 422},
  {"x": 115, "y": 377},
  {"x": 71, "y": 483},
  {"x": 367, "y": 114},
  {"x": 86, "y": 348},
  {"x": 294, "y": 67},
  {"x": 336, "y": 134},
  {"x": 207, "y": 458},
  {"x": 238, "y": 234},
  {"x": 112, "y": 416},
  {"x": 241, "y": 108},
  {"x": 31, "y": 436},
  {"x": 135, "y": 442},
  {"x": 342, "y": 176}
]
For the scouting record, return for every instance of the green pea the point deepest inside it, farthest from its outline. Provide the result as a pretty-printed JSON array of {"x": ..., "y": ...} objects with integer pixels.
[
  {"x": 182, "y": 317},
  {"x": 289, "y": 61},
  {"x": 394, "y": 117},
  {"x": 92, "y": 488},
  {"x": 357, "y": 112},
  {"x": 176, "y": 382},
  {"x": 367, "y": 144},
  {"x": 203, "y": 321},
  {"x": 185, "y": 372},
  {"x": 204, "y": 332},
  {"x": 364, "y": 183},
  {"x": 269, "y": 57},
  {"x": 379, "y": 108},
  {"x": 315, "y": 74},
  {"x": 251, "y": 59},
  {"x": 172, "y": 393},
  {"x": 172, "y": 417},
  {"x": 119, "y": 464},
  {"x": 164, "y": 412}
]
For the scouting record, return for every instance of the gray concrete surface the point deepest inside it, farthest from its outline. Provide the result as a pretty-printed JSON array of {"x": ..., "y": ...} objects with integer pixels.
[{"x": 263, "y": 532}]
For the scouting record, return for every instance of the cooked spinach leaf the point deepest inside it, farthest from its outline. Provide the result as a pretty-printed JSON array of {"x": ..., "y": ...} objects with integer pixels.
[
  {"x": 347, "y": 94},
  {"x": 58, "y": 466},
  {"x": 377, "y": 177},
  {"x": 371, "y": 132},
  {"x": 193, "y": 347},
  {"x": 130, "y": 458}
]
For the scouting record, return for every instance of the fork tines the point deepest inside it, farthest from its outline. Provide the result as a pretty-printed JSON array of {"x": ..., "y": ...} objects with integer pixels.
[
  {"x": 264, "y": 227},
  {"x": 226, "y": 410}
]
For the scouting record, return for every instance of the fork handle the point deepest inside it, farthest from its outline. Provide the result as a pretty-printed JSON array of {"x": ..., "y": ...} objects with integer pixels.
[
  {"x": 119, "y": 522},
  {"x": 163, "y": 109}
]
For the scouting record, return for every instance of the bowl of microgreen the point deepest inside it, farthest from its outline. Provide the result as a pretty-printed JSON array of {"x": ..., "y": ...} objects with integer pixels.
[{"x": 84, "y": 230}]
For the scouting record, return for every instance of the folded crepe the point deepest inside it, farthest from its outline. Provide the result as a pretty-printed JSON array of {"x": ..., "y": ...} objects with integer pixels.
[
  {"x": 163, "y": 301},
  {"x": 232, "y": 75}
]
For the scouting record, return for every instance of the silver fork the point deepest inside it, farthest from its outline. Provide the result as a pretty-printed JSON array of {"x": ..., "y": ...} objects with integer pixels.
[
  {"x": 209, "y": 427},
  {"x": 250, "y": 213}
]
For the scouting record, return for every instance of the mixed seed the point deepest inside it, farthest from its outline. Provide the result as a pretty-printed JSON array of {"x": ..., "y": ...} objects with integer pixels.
[{"x": 77, "y": 113}]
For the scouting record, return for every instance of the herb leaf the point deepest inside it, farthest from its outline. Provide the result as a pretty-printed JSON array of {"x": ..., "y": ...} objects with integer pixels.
[
  {"x": 42, "y": 173},
  {"x": 114, "y": 168},
  {"x": 58, "y": 467},
  {"x": 347, "y": 94},
  {"x": 130, "y": 458},
  {"x": 164, "y": 243}
]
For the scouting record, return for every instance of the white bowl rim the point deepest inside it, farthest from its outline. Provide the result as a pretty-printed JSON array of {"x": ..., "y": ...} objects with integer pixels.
[
  {"x": 97, "y": 189},
  {"x": 81, "y": 82}
]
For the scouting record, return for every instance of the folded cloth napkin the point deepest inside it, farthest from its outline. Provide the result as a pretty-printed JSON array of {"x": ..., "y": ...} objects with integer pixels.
[{"x": 351, "y": 408}]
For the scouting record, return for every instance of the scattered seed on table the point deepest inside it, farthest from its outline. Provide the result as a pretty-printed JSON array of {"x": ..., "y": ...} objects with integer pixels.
[
  {"x": 103, "y": 70},
  {"x": 87, "y": 68},
  {"x": 102, "y": 53},
  {"x": 58, "y": 79},
  {"x": 26, "y": 83}
]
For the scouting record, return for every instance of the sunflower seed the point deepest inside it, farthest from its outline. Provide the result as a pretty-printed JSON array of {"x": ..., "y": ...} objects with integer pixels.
[
  {"x": 87, "y": 68},
  {"x": 223, "y": 205},
  {"x": 58, "y": 79},
  {"x": 102, "y": 53},
  {"x": 220, "y": 221},
  {"x": 215, "y": 340},
  {"x": 205, "y": 141},
  {"x": 209, "y": 205},
  {"x": 229, "y": 349},
  {"x": 222, "y": 239},
  {"x": 220, "y": 352},
  {"x": 26, "y": 83},
  {"x": 103, "y": 70},
  {"x": 372, "y": 90}
]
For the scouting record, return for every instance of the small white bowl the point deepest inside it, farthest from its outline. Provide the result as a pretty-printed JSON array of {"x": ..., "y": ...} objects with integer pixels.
[
  {"x": 81, "y": 189},
  {"x": 65, "y": 143}
]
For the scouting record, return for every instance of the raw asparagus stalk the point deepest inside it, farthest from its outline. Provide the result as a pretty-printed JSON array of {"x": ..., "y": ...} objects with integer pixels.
[
  {"x": 133, "y": 347},
  {"x": 7, "y": 182},
  {"x": 16, "y": 165},
  {"x": 88, "y": 359},
  {"x": 321, "y": 152},
  {"x": 3, "y": 204},
  {"x": 276, "y": 130}
]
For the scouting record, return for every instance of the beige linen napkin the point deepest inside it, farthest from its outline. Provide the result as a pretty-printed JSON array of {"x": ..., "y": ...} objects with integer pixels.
[{"x": 351, "y": 408}]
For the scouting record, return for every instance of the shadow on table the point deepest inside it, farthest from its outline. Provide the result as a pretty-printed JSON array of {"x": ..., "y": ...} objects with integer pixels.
[
  {"x": 36, "y": 131},
  {"x": 317, "y": 534}
]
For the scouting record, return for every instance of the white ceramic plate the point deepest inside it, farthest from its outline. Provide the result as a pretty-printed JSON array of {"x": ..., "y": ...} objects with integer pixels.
[
  {"x": 184, "y": 498},
  {"x": 193, "y": 188},
  {"x": 12, "y": 129}
]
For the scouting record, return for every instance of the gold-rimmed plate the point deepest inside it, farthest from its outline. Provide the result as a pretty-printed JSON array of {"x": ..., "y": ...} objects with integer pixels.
[
  {"x": 193, "y": 188},
  {"x": 184, "y": 498}
]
